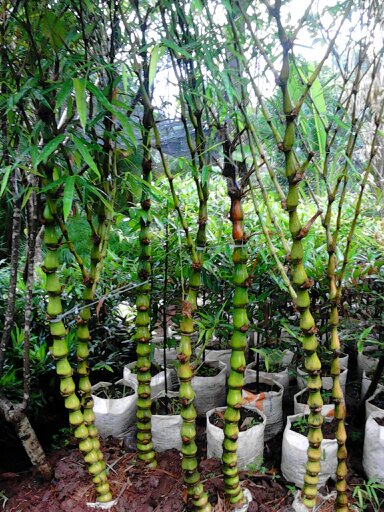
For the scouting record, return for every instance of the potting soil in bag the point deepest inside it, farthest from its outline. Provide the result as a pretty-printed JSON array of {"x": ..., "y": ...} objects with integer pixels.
[
  {"x": 373, "y": 453},
  {"x": 327, "y": 382},
  {"x": 366, "y": 362},
  {"x": 113, "y": 416},
  {"x": 369, "y": 406},
  {"x": 250, "y": 443},
  {"x": 282, "y": 377},
  {"x": 270, "y": 403},
  {"x": 294, "y": 456},
  {"x": 166, "y": 430},
  {"x": 219, "y": 355},
  {"x": 328, "y": 410}
]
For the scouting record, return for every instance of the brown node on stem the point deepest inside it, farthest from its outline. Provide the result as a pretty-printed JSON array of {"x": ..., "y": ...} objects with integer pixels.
[
  {"x": 46, "y": 271},
  {"x": 296, "y": 178},
  {"x": 186, "y": 308},
  {"x": 247, "y": 282},
  {"x": 308, "y": 283},
  {"x": 312, "y": 330},
  {"x": 96, "y": 239},
  {"x": 88, "y": 281},
  {"x": 182, "y": 358},
  {"x": 143, "y": 274},
  {"x": 202, "y": 221},
  {"x": 196, "y": 266},
  {"x": 146, "y": 204}
]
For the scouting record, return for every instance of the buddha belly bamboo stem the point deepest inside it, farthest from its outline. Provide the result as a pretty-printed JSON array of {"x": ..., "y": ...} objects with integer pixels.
[
  {"x": 302, "y": 284},
  {"x": 238, "y": 344},
  {"x": 98, "y": 251},
  {"x": 186, "y": 394},
  {"x": 337, "y": 393},
  {"x": 143, "y": 335},
  {"x": 88, "y": 442}
]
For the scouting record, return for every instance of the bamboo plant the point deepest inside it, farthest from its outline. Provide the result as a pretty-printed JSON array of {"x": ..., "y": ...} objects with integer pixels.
[
  {"x": 87, "y": 435},
  {"x": 143, "y": 335}
]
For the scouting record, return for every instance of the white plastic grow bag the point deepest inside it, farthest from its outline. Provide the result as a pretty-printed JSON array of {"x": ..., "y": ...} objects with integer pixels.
[
  {"x": 170, "y": 355},
  {"x": 294, "y": 456},
  {"x": 369, "y": 406},
  {"x": 365, "y": 383},
  {"x": 157, "y": 382},
  {"x": 328, "y": 410},
  {"x": 365, "y": 362},
  {"x": 281, "y": 377},
  {"x": 166, "y": 430},
  {"x": 373, "y": 453},
  {"x": 219, "y": 355},
  {"x": 250, "y": 443},
  {"x": 269, "y": 402},
  {"x": 210, "y": 392},
  {"x": 113, "y": 416},
  {"x": 327, "y": 382}
]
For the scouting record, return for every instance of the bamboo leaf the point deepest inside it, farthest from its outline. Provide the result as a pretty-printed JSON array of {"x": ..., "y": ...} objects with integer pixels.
[
  {"x": 100, "y": 97},
  {"x": 83, "y": 150},
  {"x": 49, "y": 148},
  {"x": 205, "y": 174},
  {"x": 27, "y": 196},
  {"x": 124, "y": 79},
  {"x": 127, "y": 127},
  {"x": 81, "y": 101},
  {"x": 68, "y": 195},
  {"x": 54, "y": 29},
  {"x": 5, "y": 179},
  {"x": 177, "y": 49},
  {"x": 91, "y": 188},
  {"x": 155, "y": 55},
  {"x": 62, "y": 95}
]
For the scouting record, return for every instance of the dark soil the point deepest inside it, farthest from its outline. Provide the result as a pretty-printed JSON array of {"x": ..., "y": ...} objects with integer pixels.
[
  {"x": 155, "y": 369},
  {"x": 380, "y": 421},
  {"x": 205, "y": 370},
  {"x": 114, "y": 391},
  {"x": 371, "y": 373},
  {"x": 165, "y": 405},
  {"x": 248, "y": 418},
  {"x": 301, "y": 427},
  {"x": 137, "y": 489},
  {"x": 378, "y": 401},
  {"x": 252, "y": 387},
  {"x": 326, "y": 396}
]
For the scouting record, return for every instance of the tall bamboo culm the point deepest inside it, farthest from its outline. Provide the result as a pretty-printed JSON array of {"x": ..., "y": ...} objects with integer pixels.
[
  {"x": 189, "y": 305},
  {"x": 88, "y": 442},
  {"x": 98, "y": 252},
  {"x": 238, "y": 363},
  {"x": 302, "y": 284},
  {"x": 143, "y": 335}
]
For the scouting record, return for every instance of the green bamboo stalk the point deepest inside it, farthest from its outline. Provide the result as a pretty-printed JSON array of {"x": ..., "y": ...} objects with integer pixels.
[
  {"x": 98, "y": 252},
  {"x": 238, "y": 344},
  {"x": 143, "y": 349},
  {"x": 88, "y": 442},
  {"x": 302, "y": 283},
  {"x": 185, "y": 371}
]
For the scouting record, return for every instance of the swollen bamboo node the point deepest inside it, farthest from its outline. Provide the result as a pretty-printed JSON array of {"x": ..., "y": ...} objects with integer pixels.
[
  {"x": 88, "y": 444},
  {"x": 232, "y": 487},
  {"x": 143, "y": 335}
]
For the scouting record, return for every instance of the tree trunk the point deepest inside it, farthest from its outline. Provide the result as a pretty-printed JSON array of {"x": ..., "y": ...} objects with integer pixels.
[{"x": 15, "y": 415}]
